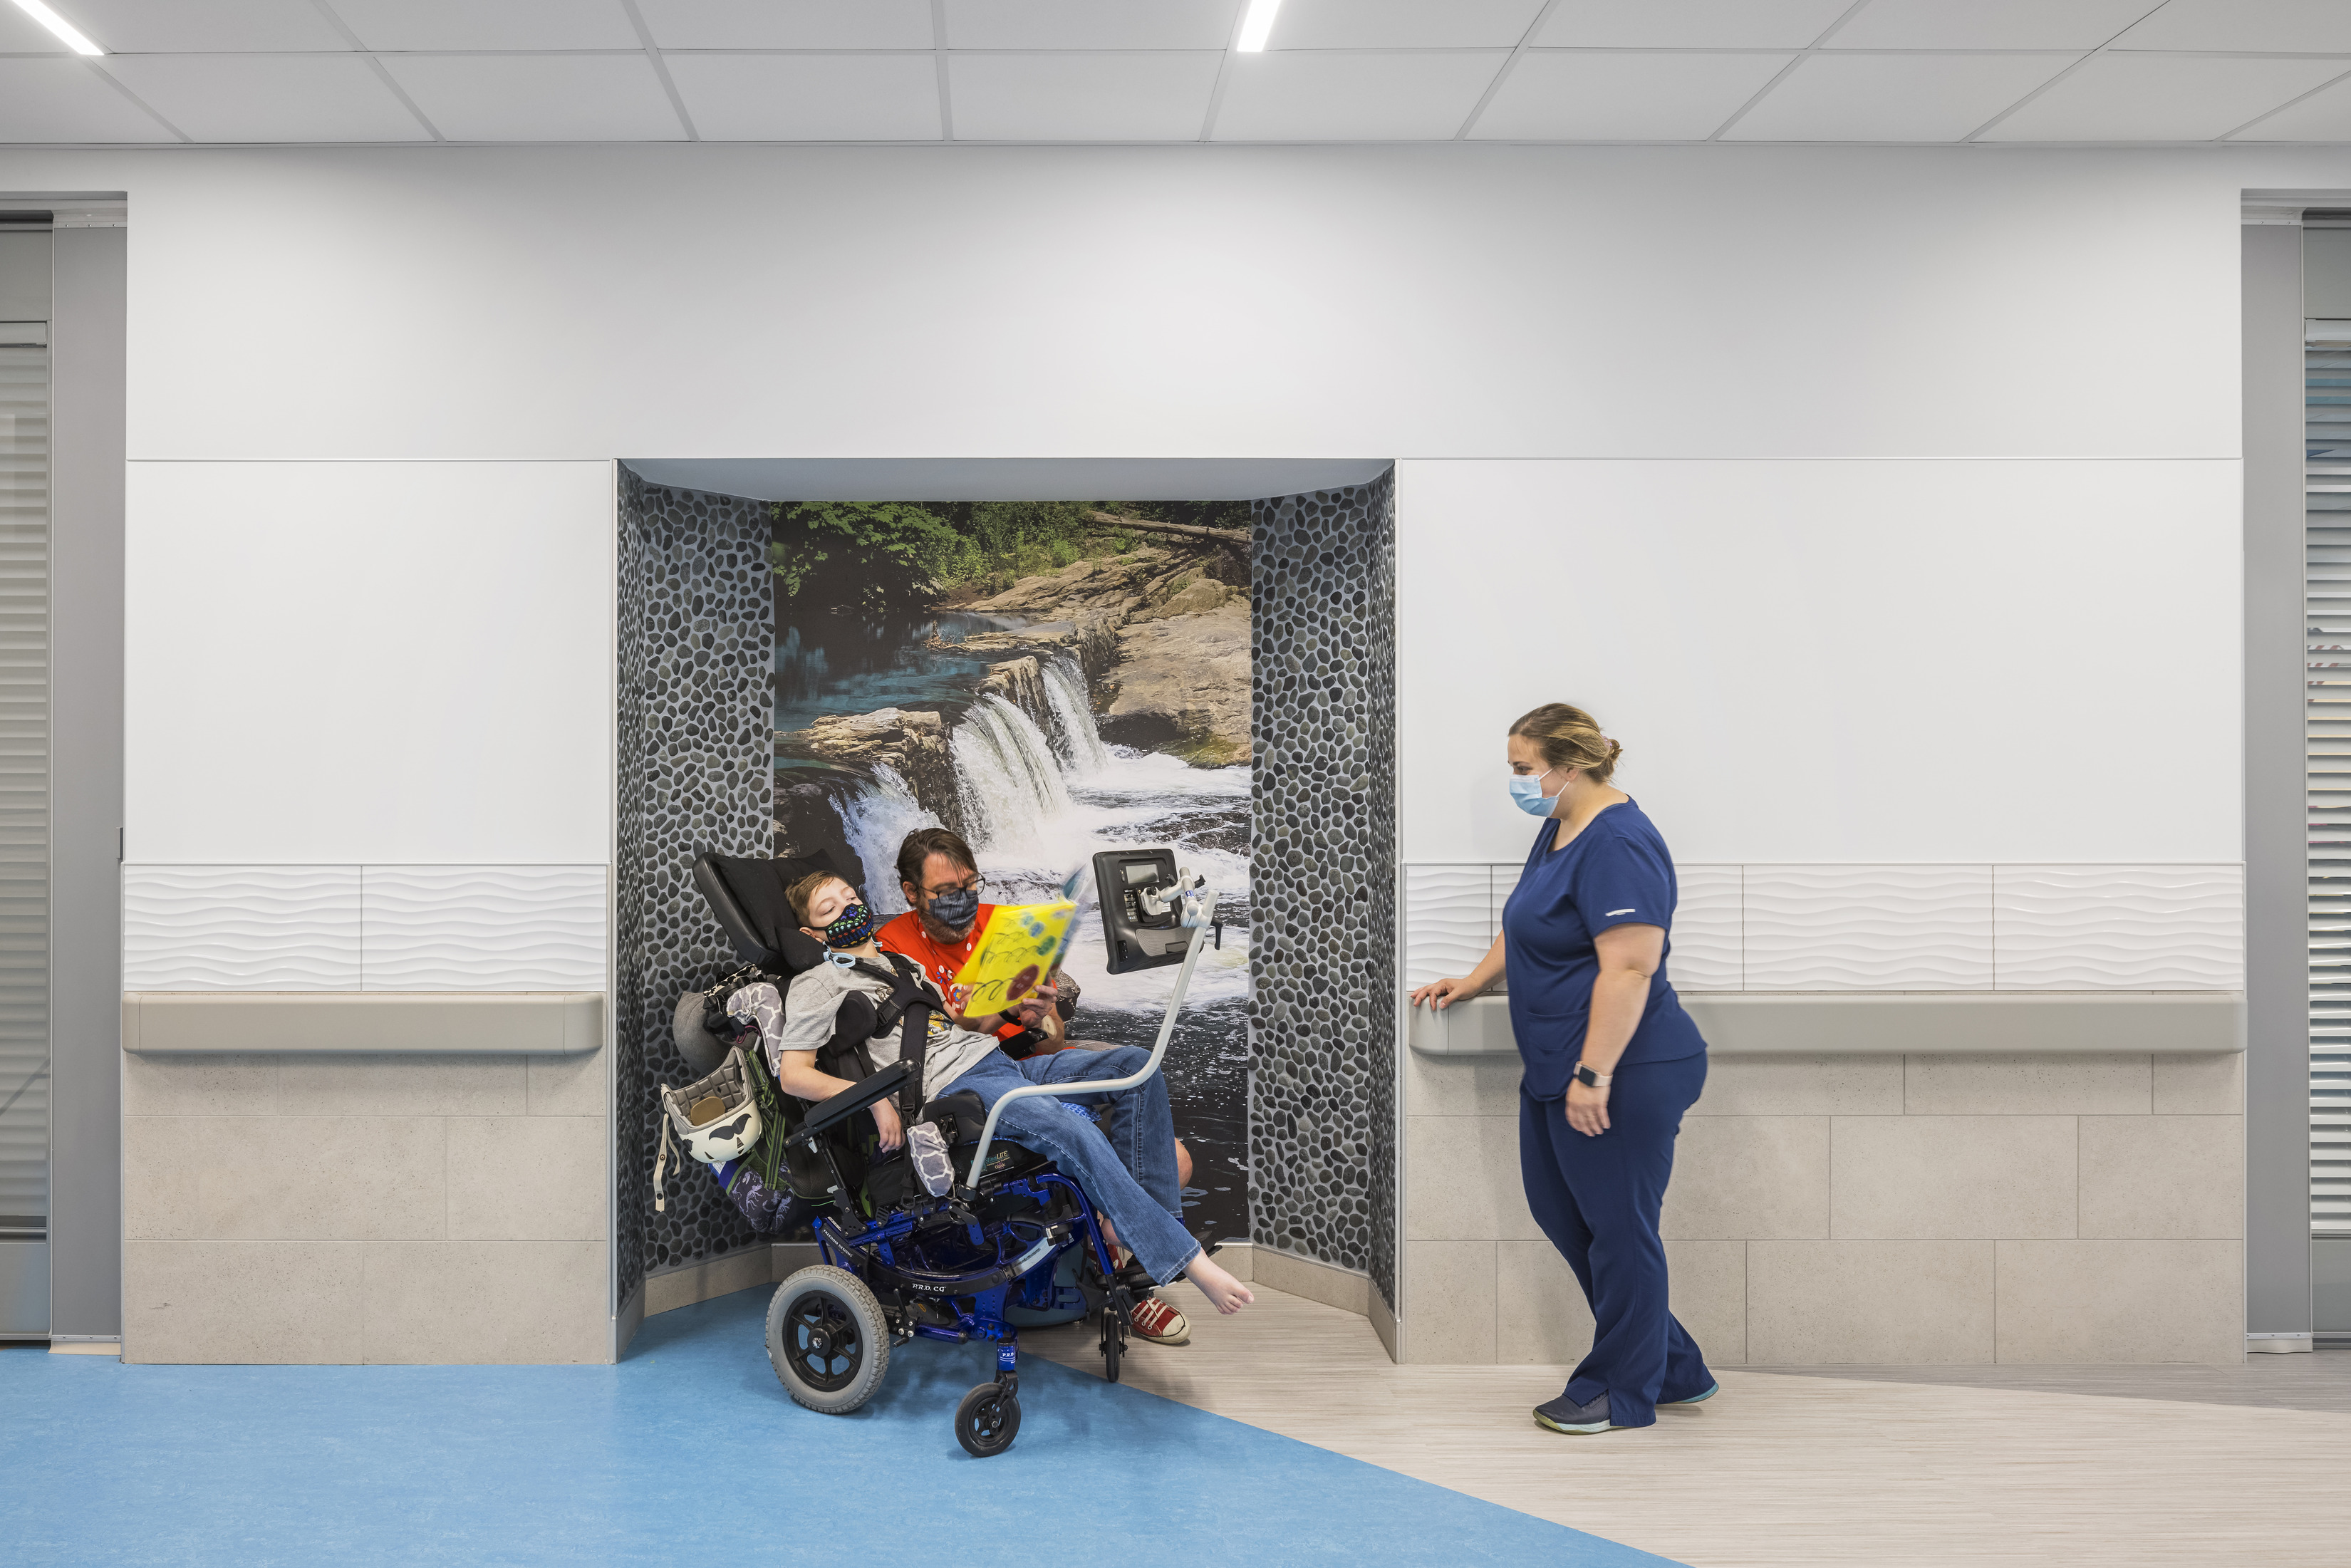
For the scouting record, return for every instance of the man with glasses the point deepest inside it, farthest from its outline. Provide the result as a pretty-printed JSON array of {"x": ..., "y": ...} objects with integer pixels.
[{"x": 940, "y": 879}]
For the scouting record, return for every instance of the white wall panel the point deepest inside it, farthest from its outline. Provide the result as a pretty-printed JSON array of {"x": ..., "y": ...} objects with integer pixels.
[
  {"x": 1448, "y": 920},
  {"x": 1814, "y": 662},
  {"x": 240, "y": 929},
  {"x": 1708, "y": 942},
  {"x": 1868, "y": 928},
  {"x": 1628, "y": 302},
  {"x": 2085, "y": 928},
  {"x": 1919, "y": 927},
  {"x": 369, "y": 663},
  {"x": 371, "y": 929},
  {"x": 484, "y": 928}
]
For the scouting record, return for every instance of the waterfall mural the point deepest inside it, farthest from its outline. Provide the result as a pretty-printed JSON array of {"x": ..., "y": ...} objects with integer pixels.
[{"x": 1047, "y": 679}]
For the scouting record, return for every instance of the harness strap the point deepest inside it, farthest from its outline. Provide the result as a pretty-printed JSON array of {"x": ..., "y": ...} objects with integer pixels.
[
  {"x": 908, "y": 1010},
  {"x": 907, "y": 988},
  {"x": 914, "y": 1045}
]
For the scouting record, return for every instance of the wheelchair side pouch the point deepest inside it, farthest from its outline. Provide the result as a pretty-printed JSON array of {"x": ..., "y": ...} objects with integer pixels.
[{"x": 716, "y": 1117}]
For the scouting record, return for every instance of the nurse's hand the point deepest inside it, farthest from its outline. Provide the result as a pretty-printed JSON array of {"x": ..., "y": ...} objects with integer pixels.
[
  {"x": 1442, "y": 994},
  {"x": 1587, "y": 1109}
]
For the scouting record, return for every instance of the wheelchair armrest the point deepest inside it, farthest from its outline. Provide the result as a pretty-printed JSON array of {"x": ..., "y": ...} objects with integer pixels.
[{"x": 827, "y": 1114}]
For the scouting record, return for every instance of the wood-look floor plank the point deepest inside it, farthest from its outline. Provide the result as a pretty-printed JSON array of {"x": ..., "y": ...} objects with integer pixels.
[{"x": 1779, "y": 1470}]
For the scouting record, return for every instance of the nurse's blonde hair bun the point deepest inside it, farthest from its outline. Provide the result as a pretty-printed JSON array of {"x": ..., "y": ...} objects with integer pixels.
[{"x": 1567, "y": 737}]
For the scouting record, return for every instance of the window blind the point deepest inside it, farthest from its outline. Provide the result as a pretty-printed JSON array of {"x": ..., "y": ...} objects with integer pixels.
[
  {"x": 24, "y": 779},
  {"x": 2327, "y": 586}
]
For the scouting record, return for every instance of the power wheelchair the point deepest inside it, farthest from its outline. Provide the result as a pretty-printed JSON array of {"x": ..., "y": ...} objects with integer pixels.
[{"x": 1011, "y": 1242}]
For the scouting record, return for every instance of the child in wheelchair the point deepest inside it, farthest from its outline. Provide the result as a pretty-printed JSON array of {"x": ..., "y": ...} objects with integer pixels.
[{"x": 1127, "y": 1168}]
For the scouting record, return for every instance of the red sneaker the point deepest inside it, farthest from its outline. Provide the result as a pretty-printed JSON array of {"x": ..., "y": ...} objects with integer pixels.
[{"x": 1154, "y": 1321}]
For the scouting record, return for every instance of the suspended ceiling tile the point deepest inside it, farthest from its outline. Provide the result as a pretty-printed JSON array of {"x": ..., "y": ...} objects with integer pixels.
[
  {"x": 63, "y": 100},
  {"x": 269, "y": 97},
  {"x": 1893, "y": 98},
  {"x": 788, "y": 24},
  {"x": 2082, "y": 25},
  {"x": 1402, "y": 23},
  {"x": 1689, "y": 24},
  {"x": 1353, "y": 98},
  {"x": 1622, "y": 97},
  {"x": 811, "y": 98},
  {"x": 2277, "y": 25},
  {"x": 222, "y": 27},
  {"x": 2160, "y": 98},
  {"x": 1089, "y": 24},
  {"x": 540, "y": 97},
  {"x": 1158, "y": 96},
  {"x": 490, "y": 23},
  {"x": 2321, "y": 117}
]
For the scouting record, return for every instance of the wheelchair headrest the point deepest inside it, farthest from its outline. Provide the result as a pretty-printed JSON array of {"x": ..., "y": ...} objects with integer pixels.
[{"x": 749, "y": 898}]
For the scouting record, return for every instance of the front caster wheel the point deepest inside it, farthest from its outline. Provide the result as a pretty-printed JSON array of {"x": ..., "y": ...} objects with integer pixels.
[
  {"x": 987, "y": 1420},
  {"x": 1116, "y": 1311}
]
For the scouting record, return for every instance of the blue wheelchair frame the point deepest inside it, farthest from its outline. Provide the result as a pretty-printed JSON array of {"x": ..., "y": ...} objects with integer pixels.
[{"x": 987, "y": 1284}]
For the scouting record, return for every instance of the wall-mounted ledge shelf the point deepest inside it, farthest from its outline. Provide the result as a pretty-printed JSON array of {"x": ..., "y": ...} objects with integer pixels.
[
  {"x": 1901, "y": 1023},
  {"x": 363, "y": 1023}
]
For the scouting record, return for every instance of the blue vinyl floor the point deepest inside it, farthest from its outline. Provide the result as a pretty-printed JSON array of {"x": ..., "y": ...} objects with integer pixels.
[{"x": 687, "y": 1452}]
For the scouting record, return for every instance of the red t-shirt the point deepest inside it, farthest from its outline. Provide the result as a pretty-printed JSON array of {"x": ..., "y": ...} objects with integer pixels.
[{"x": 941, "y": 961}]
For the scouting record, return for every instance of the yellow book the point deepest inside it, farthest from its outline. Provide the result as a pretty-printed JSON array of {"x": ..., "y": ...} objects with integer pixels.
[{"x": 1017, "y": 953}]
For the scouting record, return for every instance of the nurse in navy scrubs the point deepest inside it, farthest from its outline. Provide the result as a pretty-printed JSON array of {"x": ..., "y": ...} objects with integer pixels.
[{"x": 1612, "y": 1062}]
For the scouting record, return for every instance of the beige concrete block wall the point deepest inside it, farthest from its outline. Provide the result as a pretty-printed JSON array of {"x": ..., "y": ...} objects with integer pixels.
[
  {"x": 351, "y": 1209},
  {"x": 1864, "y": 1209}
]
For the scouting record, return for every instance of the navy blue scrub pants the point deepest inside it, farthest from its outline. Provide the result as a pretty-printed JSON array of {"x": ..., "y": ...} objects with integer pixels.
[{"x": 1598, "y": 1199}]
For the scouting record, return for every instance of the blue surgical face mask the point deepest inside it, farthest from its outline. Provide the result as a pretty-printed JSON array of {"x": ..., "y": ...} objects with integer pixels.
[
  {"x": 1526, "y": 791},
  {"x": 956, "y": 909}
]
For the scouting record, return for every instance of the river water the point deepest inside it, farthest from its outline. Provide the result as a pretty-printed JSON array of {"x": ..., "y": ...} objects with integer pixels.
[{"x": 1038, "y": 801}]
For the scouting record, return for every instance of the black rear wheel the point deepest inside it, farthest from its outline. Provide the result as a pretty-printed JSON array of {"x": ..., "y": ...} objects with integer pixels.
[
  {"x": 987, "y": 1420},
  {"x": 827, "y": 1340}
]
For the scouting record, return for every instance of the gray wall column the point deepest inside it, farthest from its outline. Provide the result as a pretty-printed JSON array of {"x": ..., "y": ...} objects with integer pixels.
[
  {"x": 2277, "y": 974},
  {"x": 86, "y": 701}
]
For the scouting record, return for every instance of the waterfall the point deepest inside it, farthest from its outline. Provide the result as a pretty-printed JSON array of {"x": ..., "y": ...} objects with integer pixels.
[
  {"x": 1080, "y": 743},
  {"x": 1010, "y": 780},
  {"x": 875, "y": 820}
]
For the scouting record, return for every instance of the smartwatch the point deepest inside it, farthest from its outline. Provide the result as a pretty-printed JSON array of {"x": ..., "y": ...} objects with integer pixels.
[{"x": 1590, "y": 1080}]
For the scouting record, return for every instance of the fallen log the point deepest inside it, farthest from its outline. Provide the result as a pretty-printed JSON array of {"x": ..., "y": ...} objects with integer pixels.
[{"x": 1235, "y": 537}]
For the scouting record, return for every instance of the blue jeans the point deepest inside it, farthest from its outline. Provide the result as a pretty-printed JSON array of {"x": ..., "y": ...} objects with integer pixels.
[{"x": 1129, "y": 1174}]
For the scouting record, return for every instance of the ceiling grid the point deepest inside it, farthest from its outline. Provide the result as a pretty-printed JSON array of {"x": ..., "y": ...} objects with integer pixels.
[{"x": 1803, "y": 72}]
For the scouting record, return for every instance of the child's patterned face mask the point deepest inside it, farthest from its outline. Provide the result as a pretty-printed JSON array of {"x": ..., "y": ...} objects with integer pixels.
[{"x": 855, "y": 925}]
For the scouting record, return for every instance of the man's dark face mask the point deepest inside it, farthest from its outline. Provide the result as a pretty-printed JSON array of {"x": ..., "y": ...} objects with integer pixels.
[{"x": 956, "y": 908}]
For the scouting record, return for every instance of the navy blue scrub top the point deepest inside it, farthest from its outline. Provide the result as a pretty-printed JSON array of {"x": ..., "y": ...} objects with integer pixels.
[{"x": 1617, "y": 872}]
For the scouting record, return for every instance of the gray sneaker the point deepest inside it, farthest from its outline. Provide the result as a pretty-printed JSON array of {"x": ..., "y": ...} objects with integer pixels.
[{"x": 1565, "y": 1415}]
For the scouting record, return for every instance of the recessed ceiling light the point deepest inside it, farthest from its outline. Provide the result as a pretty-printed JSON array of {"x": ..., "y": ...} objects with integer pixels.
[
  {"x": 1259, "y": 22},
  {"x": 55, "y": 23}
]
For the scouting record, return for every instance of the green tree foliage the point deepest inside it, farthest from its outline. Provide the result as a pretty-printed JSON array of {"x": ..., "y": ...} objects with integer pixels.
[
  {"x": 871, "y": 557},
  {"x": 882, "y": 559}
]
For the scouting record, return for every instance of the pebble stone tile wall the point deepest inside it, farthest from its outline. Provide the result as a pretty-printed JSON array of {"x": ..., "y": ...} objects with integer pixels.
[
  {"x": 696, "y": 773},
  {"x": 1323, "y": 1154}
]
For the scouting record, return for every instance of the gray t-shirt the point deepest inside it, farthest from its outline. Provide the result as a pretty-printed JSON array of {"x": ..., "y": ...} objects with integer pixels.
[{"x": 815, "y": 999}]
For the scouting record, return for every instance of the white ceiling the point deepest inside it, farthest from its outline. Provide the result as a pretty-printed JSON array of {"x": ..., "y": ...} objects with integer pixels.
[{"x": 246, "y": 71}]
